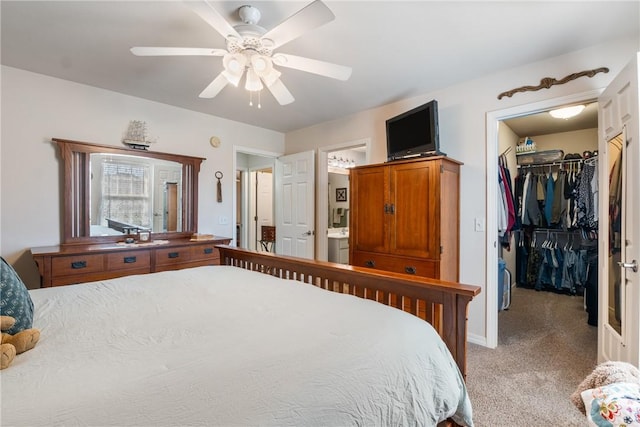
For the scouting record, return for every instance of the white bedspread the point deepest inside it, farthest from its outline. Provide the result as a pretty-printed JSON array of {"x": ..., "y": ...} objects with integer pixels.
[{"x": 229, "y": 347}]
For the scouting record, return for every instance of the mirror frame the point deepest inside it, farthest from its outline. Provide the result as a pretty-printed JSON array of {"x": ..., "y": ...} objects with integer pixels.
[{"x": 77, "y": 176}]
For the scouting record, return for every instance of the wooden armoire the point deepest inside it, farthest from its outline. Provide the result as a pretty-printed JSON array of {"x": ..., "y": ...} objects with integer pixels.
[{"x": 405, "y": 217}]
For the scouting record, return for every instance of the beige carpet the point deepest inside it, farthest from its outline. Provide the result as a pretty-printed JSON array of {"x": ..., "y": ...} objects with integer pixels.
[{"x": 545, "y": 349}]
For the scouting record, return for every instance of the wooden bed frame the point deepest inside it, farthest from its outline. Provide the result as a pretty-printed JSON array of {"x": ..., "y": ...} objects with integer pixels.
[{"x": 443, "y": 304}]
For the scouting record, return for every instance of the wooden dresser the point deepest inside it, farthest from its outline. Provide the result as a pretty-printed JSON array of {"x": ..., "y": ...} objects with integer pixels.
[
  {"x": 404, "y": 217},
  {"x": 69, "y": 264}
]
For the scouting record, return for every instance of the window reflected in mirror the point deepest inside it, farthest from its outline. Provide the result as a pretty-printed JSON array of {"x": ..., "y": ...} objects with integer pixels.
[
  {"x": 615, "y": 294},
  {"x": 131, "y": 194}
]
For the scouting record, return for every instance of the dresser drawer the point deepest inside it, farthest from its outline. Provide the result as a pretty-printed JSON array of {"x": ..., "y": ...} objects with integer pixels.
[
  {"x": 172, "y": 256},
  {"x": 131, "y": 260},
  {"x": 70, "y": 265},
  {"x": 419, "y": 267},
  {"x": 205, "y": 252}
]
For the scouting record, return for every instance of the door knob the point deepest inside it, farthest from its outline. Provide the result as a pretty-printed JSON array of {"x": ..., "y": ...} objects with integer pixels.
[
  {"x": 633, "y": 265},
  {"x": 307, "y": 233}
]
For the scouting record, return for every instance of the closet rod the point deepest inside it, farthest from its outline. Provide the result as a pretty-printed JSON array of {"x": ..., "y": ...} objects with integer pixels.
[{"x": 556, "y": 163}]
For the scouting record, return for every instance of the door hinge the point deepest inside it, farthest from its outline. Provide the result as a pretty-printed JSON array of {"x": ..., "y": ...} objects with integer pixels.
[
  {"x": 441, "y": 168},
  {"x": 441, "y": 250}
]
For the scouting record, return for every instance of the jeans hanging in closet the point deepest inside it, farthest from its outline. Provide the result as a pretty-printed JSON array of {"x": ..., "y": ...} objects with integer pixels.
[
  {"x": 521, "y": 266},
  {"x": 568, "y": 271},
  {"x": 546, "y": 272}
]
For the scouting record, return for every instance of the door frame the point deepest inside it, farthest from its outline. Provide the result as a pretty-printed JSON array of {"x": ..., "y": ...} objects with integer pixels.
[
  {"x": 254, "y": 152},
  {"x": 322, "y": 191},
  {"x": 491, "y": 157}
]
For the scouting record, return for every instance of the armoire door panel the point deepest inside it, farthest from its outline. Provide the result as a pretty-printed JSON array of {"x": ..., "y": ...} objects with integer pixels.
[
  {"x": 369, "y": 210},
  {"x": 414, "y": 219}
]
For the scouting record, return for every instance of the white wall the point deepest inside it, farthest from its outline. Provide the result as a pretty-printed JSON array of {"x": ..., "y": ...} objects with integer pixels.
[
  {"x": 462, "y": 112},
  {"x": 36, "y": 108}
]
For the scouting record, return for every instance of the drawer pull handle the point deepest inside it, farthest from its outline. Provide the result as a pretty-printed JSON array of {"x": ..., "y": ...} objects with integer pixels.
[
  {"x": 208, "y": 250},
  {"x": 410, "y": 270},
  {"x": 79, "y": 264},
  {"x": 370, "y": 263},
  {"x": 129, "y": 259},
  {"x": 173, "y": 254}
]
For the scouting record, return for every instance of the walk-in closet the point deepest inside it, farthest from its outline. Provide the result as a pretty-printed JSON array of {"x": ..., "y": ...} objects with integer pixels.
[{"x": 548, "y": 207}]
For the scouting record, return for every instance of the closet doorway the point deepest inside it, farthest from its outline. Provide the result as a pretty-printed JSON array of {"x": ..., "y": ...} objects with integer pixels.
[
  {"x": 254, "y": 196},
  {"x": 502, "y": 140}
]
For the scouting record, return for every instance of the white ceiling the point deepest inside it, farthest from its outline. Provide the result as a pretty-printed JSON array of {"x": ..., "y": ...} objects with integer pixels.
[{"x": 396, "y": 49}]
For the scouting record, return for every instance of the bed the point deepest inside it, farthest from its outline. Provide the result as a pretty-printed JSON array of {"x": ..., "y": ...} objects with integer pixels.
[{"x": 237, "y": 344}]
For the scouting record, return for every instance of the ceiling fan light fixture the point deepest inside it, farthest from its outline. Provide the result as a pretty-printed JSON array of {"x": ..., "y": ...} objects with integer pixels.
[
  {"x": 234, "y": 63},
  {"x": 567, "y": 112},
  {"x": 252, "y": 83},
  {"x": 260, "y": 64}
]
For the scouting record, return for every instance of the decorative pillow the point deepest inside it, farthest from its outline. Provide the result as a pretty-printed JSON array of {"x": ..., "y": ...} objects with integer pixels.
[
  {"x": 15, "y": 300},
  {"x": 613, "y": 405}
]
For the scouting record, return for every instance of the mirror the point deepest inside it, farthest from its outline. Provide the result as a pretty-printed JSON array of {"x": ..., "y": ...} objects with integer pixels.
[
  {"x": 616, "y": 170},
  {"x": 110, "y": 192},
  {"x": 338, "y": 200}
]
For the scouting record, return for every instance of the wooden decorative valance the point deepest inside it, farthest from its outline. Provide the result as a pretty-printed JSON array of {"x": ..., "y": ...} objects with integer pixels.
[{"x": 547, "y": 82}]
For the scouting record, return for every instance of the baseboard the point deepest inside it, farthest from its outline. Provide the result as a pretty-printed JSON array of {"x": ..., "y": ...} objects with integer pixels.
[{"x": 477, "y": 339}]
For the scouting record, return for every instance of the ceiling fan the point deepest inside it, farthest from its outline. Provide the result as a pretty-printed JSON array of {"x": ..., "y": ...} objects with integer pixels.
[{"x": 250, "y": 49}]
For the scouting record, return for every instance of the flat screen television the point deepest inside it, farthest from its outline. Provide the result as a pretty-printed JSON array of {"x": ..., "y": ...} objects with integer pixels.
[{"x": 414, "y": 133}]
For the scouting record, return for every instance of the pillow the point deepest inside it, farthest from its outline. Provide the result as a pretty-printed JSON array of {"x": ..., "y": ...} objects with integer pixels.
[
  {"x": 613, "y": 405},
  {"x": 15, "y": 300}
]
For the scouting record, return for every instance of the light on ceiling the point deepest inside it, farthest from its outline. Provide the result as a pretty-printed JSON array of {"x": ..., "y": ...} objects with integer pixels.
[
  {"x": 567, "y": 112},
  {"x": 234, "y": 65},
  {"x": 253, "y": 82}
]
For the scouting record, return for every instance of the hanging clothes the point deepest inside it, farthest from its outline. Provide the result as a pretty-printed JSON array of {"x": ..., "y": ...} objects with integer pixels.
[
  {"x": 587, "y": 208},
  {"x": 548, "y": 198},
  {"x": 506, "y": 203},
  {"x": 556, "y": 263}
]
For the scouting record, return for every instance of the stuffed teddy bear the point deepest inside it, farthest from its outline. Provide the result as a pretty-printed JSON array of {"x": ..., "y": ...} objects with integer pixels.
[{"x": 17, "y": 343}]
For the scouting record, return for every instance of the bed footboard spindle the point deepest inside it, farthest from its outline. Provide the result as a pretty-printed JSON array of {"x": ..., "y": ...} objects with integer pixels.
[{"x": 443, "y": 304}]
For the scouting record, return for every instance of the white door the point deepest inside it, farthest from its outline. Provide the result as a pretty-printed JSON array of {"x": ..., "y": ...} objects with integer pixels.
[
  {"x": 163, "y": 175},
  {"x": 295, "y": 204},
  {"x": 619, "y": 213}
]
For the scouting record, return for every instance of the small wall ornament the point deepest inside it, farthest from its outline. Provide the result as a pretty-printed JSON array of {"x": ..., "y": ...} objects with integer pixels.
[
  {"x": 547, "y": 82},
  {"x": 219, "y": 176}
]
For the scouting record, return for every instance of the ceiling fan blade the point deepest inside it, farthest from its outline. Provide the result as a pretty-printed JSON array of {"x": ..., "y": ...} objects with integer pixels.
[
  {"x": 212, "y": 17},
  {"x": 281, "y": 93},
  {"x": 311, "y": 16},
  {"x": 314, "y": 66},
  {"x": 214, "y": 87},
  {"x": 176, "y": 51}
]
